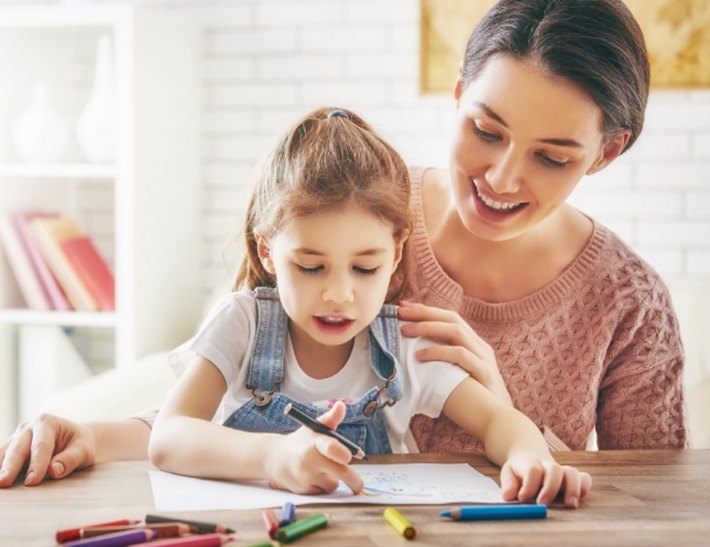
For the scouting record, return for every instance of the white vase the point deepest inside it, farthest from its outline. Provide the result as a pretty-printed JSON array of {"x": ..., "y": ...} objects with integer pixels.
[
  {"x": 96, "y": 127},
  {"x": 40, "y": 134}
]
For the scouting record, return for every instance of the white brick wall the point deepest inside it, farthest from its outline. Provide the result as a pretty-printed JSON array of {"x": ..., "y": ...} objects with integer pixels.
[{"x": 265, "y": 62}]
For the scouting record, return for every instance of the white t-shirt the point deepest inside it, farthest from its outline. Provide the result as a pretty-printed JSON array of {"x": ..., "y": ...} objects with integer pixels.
[{"x": 226, "y": 339}]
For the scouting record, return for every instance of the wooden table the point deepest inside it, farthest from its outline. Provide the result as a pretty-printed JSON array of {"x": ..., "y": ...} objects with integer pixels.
[{"x": 639, "y": 498}]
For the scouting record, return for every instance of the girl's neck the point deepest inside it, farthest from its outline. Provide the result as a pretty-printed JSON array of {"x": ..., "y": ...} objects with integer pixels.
[{"x": 319, "y": 361}]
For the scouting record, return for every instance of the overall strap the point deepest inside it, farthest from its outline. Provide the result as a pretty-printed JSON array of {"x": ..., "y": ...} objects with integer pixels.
[
  {"x": 384, "y": 340},
  {"x": 266, "y": 366}
]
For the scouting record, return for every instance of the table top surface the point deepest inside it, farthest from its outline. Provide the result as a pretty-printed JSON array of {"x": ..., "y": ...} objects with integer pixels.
[{"x": 653, "y": 497}]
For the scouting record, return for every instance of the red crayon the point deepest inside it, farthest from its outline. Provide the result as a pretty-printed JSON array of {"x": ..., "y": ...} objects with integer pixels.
[
  {"x": 117, "y": 539},
  {"x": 70, "y": 534},
  {"x": 203, "y": 540},
  {"x": 164, "y": 530},
  {"x": 271, "y": 522}
]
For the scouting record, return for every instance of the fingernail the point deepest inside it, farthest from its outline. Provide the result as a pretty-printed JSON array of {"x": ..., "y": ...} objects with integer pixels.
[
  {"x": 406, "y": 329},
  {"x": 574, "y": 502},
  {"x": 29, "y": 476},
  {"x": 57, "y": 469}
]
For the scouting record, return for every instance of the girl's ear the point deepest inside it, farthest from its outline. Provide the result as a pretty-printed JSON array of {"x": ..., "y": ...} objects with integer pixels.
[
  {"x": 610, "y": 151},
  {"x": 399, "y": 248},
  {"x": 264, "y": 251}
]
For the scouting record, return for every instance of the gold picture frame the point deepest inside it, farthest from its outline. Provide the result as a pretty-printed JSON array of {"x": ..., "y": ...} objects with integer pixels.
[{"x": 677, "y": 36}]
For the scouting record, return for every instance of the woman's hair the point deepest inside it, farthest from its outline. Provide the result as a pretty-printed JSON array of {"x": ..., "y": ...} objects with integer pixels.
[
  {"x": 330, "y": 157},
  {"x": 596, "y": 44}
]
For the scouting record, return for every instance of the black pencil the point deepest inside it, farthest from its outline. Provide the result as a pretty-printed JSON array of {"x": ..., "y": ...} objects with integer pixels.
[
  {"x": 196, "y": 527},
  {"x": 315, "y": 425}
]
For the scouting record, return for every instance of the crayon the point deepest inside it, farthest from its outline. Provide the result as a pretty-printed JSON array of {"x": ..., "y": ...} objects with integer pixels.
[
  {"x": 399, "y": 523},
  {"x": 291, "y": 532},
  {"x": 497, "y": 512},
  {"x": 288, "y": 514},
  {"x": 202, "y": 540},
  {"x": 165, "y": 529},
  {"x": 316, "y": 426},
  {"x": 196, "y": 526},
  {"x": 117, "y": 539},
  {"x": 75, "y": 533},
  {"x": 272, "y": 525}
]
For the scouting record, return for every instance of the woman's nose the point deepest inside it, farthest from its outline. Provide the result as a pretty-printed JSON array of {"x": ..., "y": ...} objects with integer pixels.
[{"x": 504, "y": 175}]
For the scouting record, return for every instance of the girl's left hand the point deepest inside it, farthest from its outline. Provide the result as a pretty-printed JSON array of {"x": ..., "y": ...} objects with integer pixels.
[
  {"x": 525, "y": 477},
  {"x": 463, "y": 346}
]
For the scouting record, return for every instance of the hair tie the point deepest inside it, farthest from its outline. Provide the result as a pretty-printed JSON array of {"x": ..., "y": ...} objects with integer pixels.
[{"x": 337, "y": 113}]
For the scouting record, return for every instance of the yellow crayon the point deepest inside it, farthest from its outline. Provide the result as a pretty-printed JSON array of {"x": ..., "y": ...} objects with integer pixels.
[{"x": 399, "y": 523}]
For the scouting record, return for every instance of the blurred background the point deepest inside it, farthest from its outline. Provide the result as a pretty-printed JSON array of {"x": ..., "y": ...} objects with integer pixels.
[{"x": 198, "y": 89}]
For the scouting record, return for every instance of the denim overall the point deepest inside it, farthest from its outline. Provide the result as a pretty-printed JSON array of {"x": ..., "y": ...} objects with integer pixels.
[{"x": 364, "y": 422}]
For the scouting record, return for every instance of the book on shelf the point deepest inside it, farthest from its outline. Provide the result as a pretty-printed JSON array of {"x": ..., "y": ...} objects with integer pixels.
[
  {"x": 57, "y": 299},
  {"x": 25, "y": 274},
  {"x": 50, "y": 233},
  {"x": 92, "y": 270}
]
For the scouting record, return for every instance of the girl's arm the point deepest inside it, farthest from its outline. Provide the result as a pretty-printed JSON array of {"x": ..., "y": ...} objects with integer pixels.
[
  {"x": 185, "y": 441},
  {"x": 513, "y": 441}
]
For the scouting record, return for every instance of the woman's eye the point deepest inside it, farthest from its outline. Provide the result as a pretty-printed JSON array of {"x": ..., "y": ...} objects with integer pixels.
[
  {"x": 309, "y": 270},
  {"x": 549, "y": 162},
  {"x": 365, "y": 271},
  {"x": 485, "y": 135}
]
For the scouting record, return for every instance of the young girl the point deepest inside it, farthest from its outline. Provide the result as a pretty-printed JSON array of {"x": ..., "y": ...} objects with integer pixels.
[{"x": 326, "y": 236}]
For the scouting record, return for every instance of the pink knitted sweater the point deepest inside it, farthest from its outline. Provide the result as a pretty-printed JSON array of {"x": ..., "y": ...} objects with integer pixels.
[{"x": 597, "y": 347}]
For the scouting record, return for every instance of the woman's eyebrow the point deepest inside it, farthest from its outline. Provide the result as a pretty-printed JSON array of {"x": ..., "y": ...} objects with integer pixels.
[{"x": 556, "y": 141}]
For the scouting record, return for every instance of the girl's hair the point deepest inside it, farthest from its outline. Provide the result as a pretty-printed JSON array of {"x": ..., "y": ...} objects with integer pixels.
[
  {"x": 596, "y": 44},
  {"x": 328, "y": 158}
]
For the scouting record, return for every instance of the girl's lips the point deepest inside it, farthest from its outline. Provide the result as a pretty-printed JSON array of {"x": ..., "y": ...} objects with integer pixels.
[{"x": 333, "y": 327}]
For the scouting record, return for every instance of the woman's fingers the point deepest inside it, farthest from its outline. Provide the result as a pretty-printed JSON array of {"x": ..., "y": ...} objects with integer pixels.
[{"x": 16, "y": 452}]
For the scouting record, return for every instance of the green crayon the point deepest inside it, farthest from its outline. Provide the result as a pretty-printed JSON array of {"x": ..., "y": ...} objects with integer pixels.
[{"x": 300, "y": 528}]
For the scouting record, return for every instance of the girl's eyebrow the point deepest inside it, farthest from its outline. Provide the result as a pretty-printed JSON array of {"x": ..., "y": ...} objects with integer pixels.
[
  {"x": 557, "y": 142},
  {"x": 367, "y": 252}
]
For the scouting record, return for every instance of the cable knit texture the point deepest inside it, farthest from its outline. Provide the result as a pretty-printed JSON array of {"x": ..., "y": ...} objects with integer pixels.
[{"x": 597, "y": 347}]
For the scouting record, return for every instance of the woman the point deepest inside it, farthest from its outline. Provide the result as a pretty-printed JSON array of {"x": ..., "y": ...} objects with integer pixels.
[{"x": 542, "y": 305}]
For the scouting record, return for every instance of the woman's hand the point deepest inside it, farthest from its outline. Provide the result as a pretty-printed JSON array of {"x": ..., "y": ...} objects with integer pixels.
[
  {"x": 462, "y": 346},
  {"x": 48, "y": 445},
  {"x": 525, "y": 478},
  {"x": 305, "y": 462}
]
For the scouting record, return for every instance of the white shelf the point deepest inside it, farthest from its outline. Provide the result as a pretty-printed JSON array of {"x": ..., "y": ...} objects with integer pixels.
[
  {"x": 58, "y": 318},
  {"x": 59, "y": 170}
]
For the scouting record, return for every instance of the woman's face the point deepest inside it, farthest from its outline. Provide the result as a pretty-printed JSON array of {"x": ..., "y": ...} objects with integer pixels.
[{"x": 522, "y": 141}]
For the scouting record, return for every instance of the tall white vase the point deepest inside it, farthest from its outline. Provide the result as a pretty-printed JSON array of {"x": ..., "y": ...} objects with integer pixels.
[
  {"x": 96, "y": 127},
  {"x": 40, "y": 134}
]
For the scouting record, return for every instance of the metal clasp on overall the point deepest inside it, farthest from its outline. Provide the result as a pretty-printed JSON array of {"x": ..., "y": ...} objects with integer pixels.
[
  {"x": 262, "y": 398},
  {"x": 374, "y": 404}
]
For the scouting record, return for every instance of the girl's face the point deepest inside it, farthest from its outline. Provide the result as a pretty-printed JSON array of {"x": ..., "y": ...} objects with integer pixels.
[
  {"x": 333, "y": 271},
  {"x": 522, "y": 141}
]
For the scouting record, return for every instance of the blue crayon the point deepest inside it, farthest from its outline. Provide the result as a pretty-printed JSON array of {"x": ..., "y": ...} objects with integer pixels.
[
  {"x": 288, "y": 514},
  {"x": 497, "y": 512}
]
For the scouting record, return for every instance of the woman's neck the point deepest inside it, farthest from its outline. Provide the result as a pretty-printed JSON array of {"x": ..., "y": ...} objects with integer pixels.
[
  {"x": 502, "y": 271},
  {"x": 319, "y": 361}
]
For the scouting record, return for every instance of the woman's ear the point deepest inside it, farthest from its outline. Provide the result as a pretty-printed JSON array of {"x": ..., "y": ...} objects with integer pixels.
[
  {"x": 458, "y": 86},
  {"x": 610, "y": 151},
  {"x": 264, "y": 250}
]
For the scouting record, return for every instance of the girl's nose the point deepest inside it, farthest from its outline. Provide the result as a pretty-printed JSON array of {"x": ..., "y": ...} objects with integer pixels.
[{"x": 338, "y": 291}]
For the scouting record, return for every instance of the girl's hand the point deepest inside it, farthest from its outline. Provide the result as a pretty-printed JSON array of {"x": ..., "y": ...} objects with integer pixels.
[
  {"x": 305, "y": 462},
  {"x": 525, "y": 478},
  {"x": 463, "y": 347}
]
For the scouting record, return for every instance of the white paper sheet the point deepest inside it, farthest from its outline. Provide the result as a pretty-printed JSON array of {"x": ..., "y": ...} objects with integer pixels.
[{"x": 396, "y": 484}]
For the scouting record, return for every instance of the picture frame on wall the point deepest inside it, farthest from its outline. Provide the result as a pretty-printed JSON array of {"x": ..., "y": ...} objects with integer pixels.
[{"x": 677, "y": 36}]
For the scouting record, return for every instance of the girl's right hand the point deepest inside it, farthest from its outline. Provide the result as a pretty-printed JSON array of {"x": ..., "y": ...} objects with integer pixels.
[{"x": 305, "y": 462}]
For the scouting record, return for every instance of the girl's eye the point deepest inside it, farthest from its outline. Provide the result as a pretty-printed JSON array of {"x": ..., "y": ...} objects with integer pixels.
[
  {"x": 485, "y": 135},
  {"x": 549, "y": 162},
  {"x": 310, "y": 270},
  {"x": 365, "y": 271}
]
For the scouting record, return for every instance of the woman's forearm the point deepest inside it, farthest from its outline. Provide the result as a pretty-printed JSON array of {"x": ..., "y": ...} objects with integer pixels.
[{"x": 120, "y": 440}]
